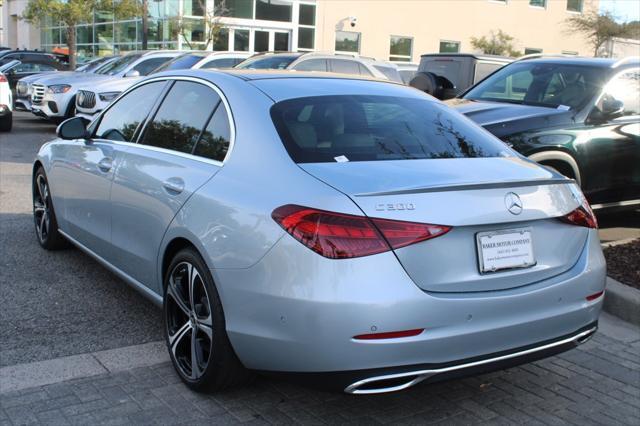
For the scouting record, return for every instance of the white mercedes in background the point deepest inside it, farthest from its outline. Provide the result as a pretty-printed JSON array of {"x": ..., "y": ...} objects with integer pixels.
[
  {"x": 6, "y": 105},
  {"x": 53, "y": 97},
  {"x": 94, "y": 97}
]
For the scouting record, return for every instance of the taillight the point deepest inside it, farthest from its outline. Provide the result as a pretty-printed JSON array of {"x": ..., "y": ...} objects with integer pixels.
[
  {"x": 3, "y": 79},
  {"x": 343, "y": 236},
  {"x": 582, "y": 216}
]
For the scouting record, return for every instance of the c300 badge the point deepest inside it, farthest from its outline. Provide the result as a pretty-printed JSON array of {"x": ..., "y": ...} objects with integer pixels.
[{"x": 392, "y": 207}]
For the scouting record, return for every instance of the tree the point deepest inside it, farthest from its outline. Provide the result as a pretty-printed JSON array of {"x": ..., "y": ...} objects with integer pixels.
[
  {"x": 499, "y": 43},
  {"x": 598, "y": 28},
  {"x": 213, "y": 26},
  {"x": 72, "y": 12}
]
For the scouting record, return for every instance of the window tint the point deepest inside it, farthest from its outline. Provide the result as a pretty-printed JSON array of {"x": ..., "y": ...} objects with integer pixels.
[
  {"x": 375, "y": 128},
  {"x": 541, "y": 84},
  {"x": 483, "y": 69},
  {"x": 222, "y": 63},
  {"x": 626, "y": 88},
  {"x": 214, "y": 142},
  {"x": 182, "y": 62},
  {"x": 448, "y": 69},
  {"x": 33, "y": 68},
  {"x": 181, "y": 117},
  {"x": 312, "y": 65},
  {"x": 344, "y": 66},
  {"x": 145, "y": 67},
  {"x": 266, "y": 62},
  {"x": 120, "y": 122}
]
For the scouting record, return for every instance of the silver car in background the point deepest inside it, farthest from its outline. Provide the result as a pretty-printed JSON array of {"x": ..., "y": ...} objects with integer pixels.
[{"x": 349, "y": 232}]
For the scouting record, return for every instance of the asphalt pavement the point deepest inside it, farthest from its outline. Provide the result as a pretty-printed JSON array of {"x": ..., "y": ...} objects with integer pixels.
[{"x": 57, "y": 304}]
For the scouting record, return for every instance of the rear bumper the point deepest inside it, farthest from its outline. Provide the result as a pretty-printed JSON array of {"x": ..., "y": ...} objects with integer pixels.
[
  {"x": 363, "y": 382},
  {"x": 297, "y": 312}
]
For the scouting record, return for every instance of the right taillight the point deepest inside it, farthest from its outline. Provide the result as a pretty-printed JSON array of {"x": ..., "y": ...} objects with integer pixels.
[
  {"x": 582, "y": 216},
  {"x": 343, "y": 236}
]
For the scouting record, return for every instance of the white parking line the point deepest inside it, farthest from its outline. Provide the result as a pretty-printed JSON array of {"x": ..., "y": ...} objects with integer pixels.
[{"x": 23, "y": 376}]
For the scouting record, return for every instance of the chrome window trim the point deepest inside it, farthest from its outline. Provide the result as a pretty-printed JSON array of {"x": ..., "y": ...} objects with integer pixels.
[{"x": 223, "y": 98}]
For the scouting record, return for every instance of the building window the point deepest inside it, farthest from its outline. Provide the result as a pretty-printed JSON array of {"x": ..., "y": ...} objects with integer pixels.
[
  {"x": 273, "y": 10},
  {"x": 449, "y": 46},
  {"x": 538, "y": 3},
  {"x": 306, "y": 38},
  {"x": 307, "y": 15},
  {"x": 531, "y": 50},
  {"x": 222, "y": 41},
  {"x": 241, "y": 40},
  {"x": 400, "y": 49},
  {"x": 239, "y": 8},
  {"x": 574, "y": 6},
  {"x": 347, "y": 41},
  {"x": 193, "y": 7}
]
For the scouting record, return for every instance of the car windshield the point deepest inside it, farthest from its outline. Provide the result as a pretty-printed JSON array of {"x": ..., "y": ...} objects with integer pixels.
[
  {"x": 268, "y": 62},
  {"x": 391, "y": 73},
  {"x": 12, "y": 63},
  {"x": 182, "y": 62},
  {"x": 118, "y": 65},
  {"x": 542, "y": 84},
  {"x": 339, "y": 128}
]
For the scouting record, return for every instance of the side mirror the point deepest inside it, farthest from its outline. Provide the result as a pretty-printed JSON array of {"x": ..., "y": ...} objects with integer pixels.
[
  {"x": 72, "y": 128},
  {"x": 132, "y": 73},
  {"x": 612, "y": 108}
]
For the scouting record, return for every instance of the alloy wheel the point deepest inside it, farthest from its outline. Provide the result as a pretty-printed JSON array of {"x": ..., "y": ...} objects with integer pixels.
[
  {"x": 189, "y": 320},
  {"x": 42, "y": 208}
]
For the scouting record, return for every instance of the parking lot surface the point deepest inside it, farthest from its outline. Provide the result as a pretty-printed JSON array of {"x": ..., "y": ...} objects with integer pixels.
[{"x": 56, "y": 304}]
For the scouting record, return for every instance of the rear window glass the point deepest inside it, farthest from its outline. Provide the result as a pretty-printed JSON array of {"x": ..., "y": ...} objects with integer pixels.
[
  {"x": 391, "y": 73},
  {"x": 446, "y": 68},
  {"x": 325, "y": 129}
]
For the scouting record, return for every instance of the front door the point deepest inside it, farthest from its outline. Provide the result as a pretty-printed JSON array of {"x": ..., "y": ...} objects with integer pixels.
[
  {"x": 271, "y": 40},
  {"x": 84, "y": 170}
]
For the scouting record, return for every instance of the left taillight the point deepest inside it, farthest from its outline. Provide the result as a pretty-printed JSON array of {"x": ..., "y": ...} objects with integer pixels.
[
  {"x": 3, "y": 79},
  {"x": 343, "y": 236},
  {"x": 582, "y": 216}
]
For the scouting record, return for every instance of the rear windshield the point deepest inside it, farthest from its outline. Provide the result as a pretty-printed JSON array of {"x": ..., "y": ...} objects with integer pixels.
[
  {"x": 182, "y": 62},
  {"x": 268, "y": 62},
  {"x": 447, "y": 68},
  {"x": 391, "y": 73},
  {"x": 119, "y": 64},
  {"x": 325, "y": 129}
]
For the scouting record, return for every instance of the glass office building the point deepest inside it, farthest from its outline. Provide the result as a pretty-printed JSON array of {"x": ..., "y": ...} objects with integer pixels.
[{"x": 247, "y": 26}]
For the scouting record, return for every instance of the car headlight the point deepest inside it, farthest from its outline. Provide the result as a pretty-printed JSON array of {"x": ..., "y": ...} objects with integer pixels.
[
  {"x": 108, "y": 96},
  {"x": 58, "y": 88}
]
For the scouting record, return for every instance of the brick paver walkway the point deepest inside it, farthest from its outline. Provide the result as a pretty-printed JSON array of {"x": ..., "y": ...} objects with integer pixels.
[{"x": 598, "y": 383}]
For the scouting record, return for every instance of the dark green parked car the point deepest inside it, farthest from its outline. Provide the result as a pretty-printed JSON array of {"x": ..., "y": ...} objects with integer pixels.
[{"x": 579, "y": 116}]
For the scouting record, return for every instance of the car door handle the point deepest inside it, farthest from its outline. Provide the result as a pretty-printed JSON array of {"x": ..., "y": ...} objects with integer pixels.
[
  {"x": 105, "y": 164},
  {"x": 174, "y": 185}
]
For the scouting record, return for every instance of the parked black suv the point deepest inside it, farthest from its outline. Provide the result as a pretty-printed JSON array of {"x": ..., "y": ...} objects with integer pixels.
[
  {"x": 30, "y": 63},
  {"x": 446, "y": 75},
  {"x": 579, "y": 116}
]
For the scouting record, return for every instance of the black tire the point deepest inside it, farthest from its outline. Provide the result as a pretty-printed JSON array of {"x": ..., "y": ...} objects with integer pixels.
[
  {"x": 6, "y": 123},
  {"x": 44, "y": 215},
  {"x": 222, "y": 369}
]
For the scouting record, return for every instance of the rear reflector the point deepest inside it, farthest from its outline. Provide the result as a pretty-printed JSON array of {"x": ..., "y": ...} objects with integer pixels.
[
  {"x": 389, "y": 335},
  {"x": 582, "y": 216},
  {"x": 343, "y": 236},
  {"x": 595, "y": 296}
]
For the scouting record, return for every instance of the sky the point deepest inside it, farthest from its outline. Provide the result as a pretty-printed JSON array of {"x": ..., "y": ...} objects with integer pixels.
[{"x": 624, "y": 10}]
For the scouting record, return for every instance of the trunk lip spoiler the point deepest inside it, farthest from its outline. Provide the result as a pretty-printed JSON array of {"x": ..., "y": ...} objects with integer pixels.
[{"x": 468, "y": 186}]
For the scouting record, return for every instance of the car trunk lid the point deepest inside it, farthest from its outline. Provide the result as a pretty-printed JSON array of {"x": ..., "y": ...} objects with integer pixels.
[{"x": 472, "y": 195}]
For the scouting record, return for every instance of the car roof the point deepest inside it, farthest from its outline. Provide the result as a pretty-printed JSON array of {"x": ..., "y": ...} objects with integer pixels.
[{"x": 471, "y": 55}]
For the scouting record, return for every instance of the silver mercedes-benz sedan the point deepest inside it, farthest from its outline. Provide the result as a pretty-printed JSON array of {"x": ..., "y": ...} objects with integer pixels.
[{"x": 340, "y": 231}]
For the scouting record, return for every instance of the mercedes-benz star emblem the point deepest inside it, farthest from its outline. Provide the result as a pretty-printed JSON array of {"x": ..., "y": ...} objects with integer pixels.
[{"x": 513, "y": 203}]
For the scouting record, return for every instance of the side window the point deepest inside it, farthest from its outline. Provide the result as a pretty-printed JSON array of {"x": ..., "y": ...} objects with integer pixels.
[
  {"x": 626, "y": 88},
  {"x": 120, "y": 122},
  {"x": 344, "y": 66},
  {"x": 181, "y": 117},
  {"x": 215, "y": 139},
  {"x": 483, "y": 69},
  {"x": 221, "y": 63},
  {"x": 145, "y": 67},
  {"x": 312, "y": 65}
]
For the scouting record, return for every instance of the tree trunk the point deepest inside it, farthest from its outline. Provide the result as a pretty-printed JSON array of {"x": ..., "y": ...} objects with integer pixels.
[{"x": 71, "y": 44}]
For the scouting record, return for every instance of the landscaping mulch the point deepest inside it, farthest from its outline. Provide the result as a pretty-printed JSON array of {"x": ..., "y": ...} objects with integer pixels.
[{"x": 623, "y": 263}]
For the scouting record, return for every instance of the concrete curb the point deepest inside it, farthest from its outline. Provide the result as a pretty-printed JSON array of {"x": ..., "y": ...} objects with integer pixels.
[
  {"x": 40, "y": 373},
  {"x": 622, "y": 301}
]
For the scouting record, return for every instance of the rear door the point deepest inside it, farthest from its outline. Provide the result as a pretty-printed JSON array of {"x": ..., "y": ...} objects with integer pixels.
[{"x": 178, "y": 151}]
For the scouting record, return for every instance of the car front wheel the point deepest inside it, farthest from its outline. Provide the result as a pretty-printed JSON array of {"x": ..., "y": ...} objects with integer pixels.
[
  {"x": 44, "y": 215},
  {"x": 195, "y": 331}
]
